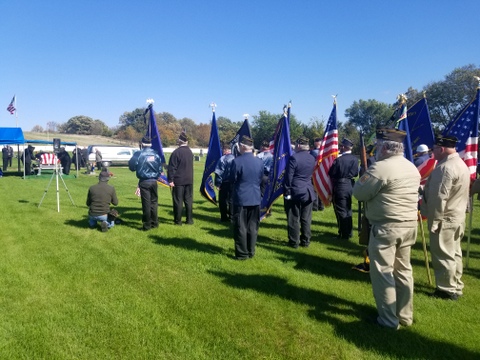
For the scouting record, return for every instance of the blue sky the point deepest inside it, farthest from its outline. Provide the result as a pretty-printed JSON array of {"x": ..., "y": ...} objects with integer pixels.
[{"x": 99, "y": 58}]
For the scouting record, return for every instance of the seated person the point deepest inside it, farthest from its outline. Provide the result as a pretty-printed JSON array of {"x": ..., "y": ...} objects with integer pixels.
[{"x": 99, "y": 198}]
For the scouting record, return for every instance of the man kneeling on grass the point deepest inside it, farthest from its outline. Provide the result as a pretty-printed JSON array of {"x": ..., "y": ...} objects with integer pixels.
[{"x": 99, "y": 198}]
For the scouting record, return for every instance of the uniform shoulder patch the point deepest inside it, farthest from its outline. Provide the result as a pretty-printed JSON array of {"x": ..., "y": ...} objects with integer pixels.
[{"x": 364, "y": 178}]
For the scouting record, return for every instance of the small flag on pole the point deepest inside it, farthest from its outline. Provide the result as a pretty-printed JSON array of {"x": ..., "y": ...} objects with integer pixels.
[{"x": 11, "y": 107}]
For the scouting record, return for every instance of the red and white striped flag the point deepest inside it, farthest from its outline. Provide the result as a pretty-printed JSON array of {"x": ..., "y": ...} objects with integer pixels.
[
  {"x": 327, "y": 153},
  {"x": 11, "y": 107}
]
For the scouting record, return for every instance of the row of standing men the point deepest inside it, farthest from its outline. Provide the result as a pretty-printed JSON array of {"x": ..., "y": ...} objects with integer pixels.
[{"x": 389, "y": 189}]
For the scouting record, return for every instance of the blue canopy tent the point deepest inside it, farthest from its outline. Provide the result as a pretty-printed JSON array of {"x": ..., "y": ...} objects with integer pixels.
[{"x": 12, "y": 136}]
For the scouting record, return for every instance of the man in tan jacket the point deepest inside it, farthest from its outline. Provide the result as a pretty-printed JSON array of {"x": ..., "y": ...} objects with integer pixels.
[
  {"x": 445, "y": 200},
  {"x": 389, "y": 189}
]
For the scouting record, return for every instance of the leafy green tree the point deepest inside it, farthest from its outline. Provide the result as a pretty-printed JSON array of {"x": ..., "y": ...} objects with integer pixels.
[
  {"x": 135, "y": 119},
  {"x": 314, "y": 129},
  {"x": 264, "y": 125},
  {"x": 366, "y": 115},
  {"x": 227, "y": 129},
  {"x": 446, "y": 98},
  {"x": 80, "y": 125}
]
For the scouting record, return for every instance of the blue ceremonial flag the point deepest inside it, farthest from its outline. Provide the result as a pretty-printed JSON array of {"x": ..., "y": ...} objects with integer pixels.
[
  {"x": 244, "y": 130},
  {"x": 420, "y": 125},
  {"x": 207, "y": 188},
  {"x": 402, "y": 124},
  {"x": 465, "y": 128},
  {"x": 152, "y": 132},
  {"x": 281, "y": 153}
]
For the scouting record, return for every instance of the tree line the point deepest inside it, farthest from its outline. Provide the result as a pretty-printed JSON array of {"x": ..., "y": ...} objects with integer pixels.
[{"x": 445, "y": 99}]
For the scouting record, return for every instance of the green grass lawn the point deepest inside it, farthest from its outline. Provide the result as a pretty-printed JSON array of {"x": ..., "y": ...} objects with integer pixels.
[{"x": 69, "y": 292}]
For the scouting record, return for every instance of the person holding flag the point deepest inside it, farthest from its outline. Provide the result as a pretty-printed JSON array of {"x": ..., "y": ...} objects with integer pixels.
[
  {"x": 299, "y": 194},
  {"x": 389, "y": 189},
  {"x": 222, "y": 182},
  {"x": 148, "y": 167},
  {"x": 445, "y": 201},
  {"x": 341, "y": 173},
  {"x": 246, "y": 177}
]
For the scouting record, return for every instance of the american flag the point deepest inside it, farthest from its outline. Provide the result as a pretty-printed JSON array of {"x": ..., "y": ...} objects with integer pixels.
[
  {"x": 465, "y": 128},
  {"x": 327, "y": 153},
  {"x": 11, "y": 107}
]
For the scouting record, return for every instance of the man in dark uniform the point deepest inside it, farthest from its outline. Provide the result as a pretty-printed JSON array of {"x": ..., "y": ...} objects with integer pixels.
[
  {"x": 29, "y": 156},
  {"x": 222, "y": 182},
  {"x": 180, "y": 177},
  {"x": 65, "y": 160},
  {"x": 148, "y": 167},
  {"x": 10, "y": 155},
  {"x": 299, "y": 194},
  {"x": 5, "y": 157},
  {"x": 84, "y": 153},
  {"x": 246, "y": 178},
  {"x": 342, "y": 172}
]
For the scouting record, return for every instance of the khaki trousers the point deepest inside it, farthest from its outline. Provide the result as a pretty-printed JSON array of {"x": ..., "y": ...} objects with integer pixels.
[
  {"x": 447, "y": 258},
  {"x": 391, "y": 273}
]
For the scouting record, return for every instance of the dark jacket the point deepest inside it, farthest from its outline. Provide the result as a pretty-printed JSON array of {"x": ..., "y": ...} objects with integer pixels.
[
  {"x": 146, "y": 163},
  {"x": 246, "y": 177},
  {"x": 99, "y": 198},
  {"x": 180, "y": 166},
  {"x": 223, "y": 169},
  {"x": 298, "y": 179},
  {"x": 344, "y": 168}
]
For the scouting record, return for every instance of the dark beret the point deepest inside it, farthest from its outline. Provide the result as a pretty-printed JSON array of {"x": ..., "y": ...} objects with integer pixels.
[
  {"x": 347, "y": 142},
  {"x": 389, "y": 134},
  {"x": 246, "y": 140},
  {"x": 183, "y": 137},
  {"x": 302, "y": 140},
  {"x": 446, "y": 141}
]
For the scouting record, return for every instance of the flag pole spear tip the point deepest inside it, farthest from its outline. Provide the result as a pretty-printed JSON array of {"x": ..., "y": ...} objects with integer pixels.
[{"x": 478, "y": 79}]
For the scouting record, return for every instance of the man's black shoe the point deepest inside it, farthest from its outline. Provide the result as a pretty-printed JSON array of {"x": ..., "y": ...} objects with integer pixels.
[
  {"x": 292, "y": 245},
  {"x": 444, "y": 295},
  {"x": 305, "y": 245}
]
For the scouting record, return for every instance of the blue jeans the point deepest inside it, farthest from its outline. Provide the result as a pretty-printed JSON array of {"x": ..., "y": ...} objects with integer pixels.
[{"x": 92, "y": 220}]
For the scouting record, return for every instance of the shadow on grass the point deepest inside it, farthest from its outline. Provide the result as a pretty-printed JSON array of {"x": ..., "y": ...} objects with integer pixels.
[
  {"x": 405, "y": 343},
  {"x": 188, "y": 244},
  {"x": 317, "y": 265}
]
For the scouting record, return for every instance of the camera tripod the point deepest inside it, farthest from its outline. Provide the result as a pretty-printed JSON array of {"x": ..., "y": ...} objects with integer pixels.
[{"x": 57, "y": 173}]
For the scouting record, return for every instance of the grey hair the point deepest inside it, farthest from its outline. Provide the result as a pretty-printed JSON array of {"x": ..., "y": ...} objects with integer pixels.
[
  {"x": 247, "y": 147},
  {"x": 389, "y": 148}
]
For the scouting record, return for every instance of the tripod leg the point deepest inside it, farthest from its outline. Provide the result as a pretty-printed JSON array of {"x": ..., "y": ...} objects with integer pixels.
[
  {"x": 68, "y": 192},
  {"x": 45, "y": 193}
]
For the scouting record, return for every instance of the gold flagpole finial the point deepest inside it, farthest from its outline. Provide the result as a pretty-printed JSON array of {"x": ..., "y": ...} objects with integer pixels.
[{"x": 402, "y": 99}]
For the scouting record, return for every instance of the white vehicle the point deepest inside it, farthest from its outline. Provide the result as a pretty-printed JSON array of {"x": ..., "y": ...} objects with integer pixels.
[{"x": 111, "y": 154}]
